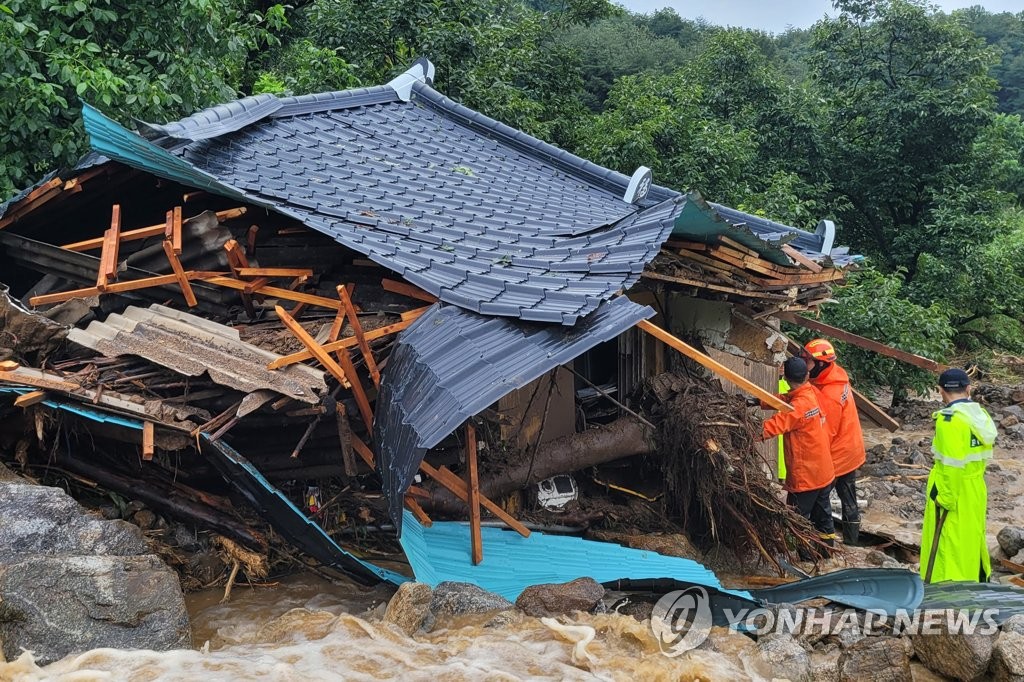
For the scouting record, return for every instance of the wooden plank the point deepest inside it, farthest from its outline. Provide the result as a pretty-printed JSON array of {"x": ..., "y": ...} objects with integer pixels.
[
  {"x": 148, "y": 436},
  {"x": 277, "y": 292},
  {"x": 362, "y": 401},
  {"x": 364, "y": 346},
  {"x": 873, "y": 412},
  {"x": 179, "y": 274},
  {"x": 344, "y": 343},
  {"x": 692, "y": 246},
  {"x": 27, "y": 399},
  {"x": 119, "y": 287},
  {"x": 345, "y": 440},
  {"x": 27, "y": 376},
  {"x": 715, "y": 287},
  {"x": 801, "y": 258},
  {"x": 407, "y": 290},
  {"x": 32, "y": 200},
  {"x": 418, "y": 512},
  {"x": 364, "y": 451},
  {"x": 176, "y": 230},
  {"x": 255, "y": 284},
  {"x": 716, "y": 367},
  {"x": 145, "y": 232},
  {"x": 473, "y": 486},
  {"x": 458, "y": 488},
  {"x": 733, "y": 244},
  {"x": 274, "y": 272},
  {"x": 863, "y": 342},
  {"x": 8, "y": 365},
  {"x": 317, "y": 351},
  {"x": 337, "y": 325}
]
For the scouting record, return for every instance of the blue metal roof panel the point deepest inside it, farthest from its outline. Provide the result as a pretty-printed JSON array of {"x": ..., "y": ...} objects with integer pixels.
[
  {"x": 512, "y": 563},
  {"x": 467, "y": 361}
]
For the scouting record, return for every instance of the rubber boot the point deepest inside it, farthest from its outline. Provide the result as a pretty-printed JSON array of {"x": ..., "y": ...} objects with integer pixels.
[{"x": 851, "y": 533}]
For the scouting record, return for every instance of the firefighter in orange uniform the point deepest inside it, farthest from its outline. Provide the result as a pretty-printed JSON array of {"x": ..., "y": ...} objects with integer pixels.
[
  {"x": 848, "y": 452},
  {"x": 809, "y": 469}
]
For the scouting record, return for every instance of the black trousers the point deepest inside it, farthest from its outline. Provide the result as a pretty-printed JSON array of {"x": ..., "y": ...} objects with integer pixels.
[
  {"x": 815, "y": 506},
  {"x": 846, "y": 487}
]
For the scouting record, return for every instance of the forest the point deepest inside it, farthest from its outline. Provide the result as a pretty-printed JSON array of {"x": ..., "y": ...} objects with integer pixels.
[{"x": 901, "y": 123}]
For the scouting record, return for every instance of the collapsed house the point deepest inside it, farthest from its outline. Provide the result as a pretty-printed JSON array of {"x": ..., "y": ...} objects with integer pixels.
[{"x": 380, "y": 295}]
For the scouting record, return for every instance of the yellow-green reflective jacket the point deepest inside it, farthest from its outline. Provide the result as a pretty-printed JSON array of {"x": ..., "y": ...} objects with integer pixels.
[{"x": 783, "y": 389}]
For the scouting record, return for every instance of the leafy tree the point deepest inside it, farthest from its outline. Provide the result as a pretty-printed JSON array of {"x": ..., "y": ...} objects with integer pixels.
[
  {"x": 155, "y": 61},
  {"x": 1005, "y": 32}
]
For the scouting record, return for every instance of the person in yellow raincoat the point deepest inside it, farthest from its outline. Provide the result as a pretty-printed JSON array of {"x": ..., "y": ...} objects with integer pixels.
[
  {"x": 956, "y": 498},
  {"x": 783, "y": 390}
]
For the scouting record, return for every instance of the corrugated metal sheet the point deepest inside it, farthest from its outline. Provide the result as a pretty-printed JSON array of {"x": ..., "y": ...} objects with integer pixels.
[
  {"x": 192, "y": 345},
  {"x": 481, "y": 215},
  {"x": 80, "y": 410},
  {"x": 1004, "y": 600},
  {"x": 287, "y": 520},
  {"x": 512, "y": 563},
  {"x": 451, "y": 364}
]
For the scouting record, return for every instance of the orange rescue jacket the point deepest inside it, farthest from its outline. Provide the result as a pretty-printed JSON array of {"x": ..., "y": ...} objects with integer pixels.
[
  {"x": 848, "y": 451},
  {"x": 805, "y": 439}
]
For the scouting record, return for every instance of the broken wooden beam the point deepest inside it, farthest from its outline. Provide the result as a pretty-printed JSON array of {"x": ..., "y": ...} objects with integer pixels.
[
  {"x": 801, "y": 258},
  {"x": 357, "y": 329},
  {"x": 316, "y": 350},
  {"x": 407, "y": 290},
  {"x": 277, "y": 292},
  {"x": 345, "y": 440},
  {"x": 148, "y": 437},
  {"x": 458, "y": 487},
  {"x": 146, "y": 232},
  {"x": 350, "y": 342},
  {"x": 873, "y": 412},
  {"x": 473, "y": 488},
  {"x": 418, "y": 512},
  {"x": 273, "y": 272},
  {"x": 179, "y": 273},
  {"x": 33, "y": 200},
  {"x": 120, "y": 287},
  {"x": 700, "y": 358},
  {"x": 863, "y": 342},
  {"x": 111, "y": 246},
  {"x": 28, "y": 399}
]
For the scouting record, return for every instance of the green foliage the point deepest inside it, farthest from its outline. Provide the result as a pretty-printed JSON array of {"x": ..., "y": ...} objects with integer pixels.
[
  {"x": 302, "y": 68},
  {"x": 1005, "y": 33},
  {"x": 873, "y": 305},
  {"x": 152, "y": 61}
]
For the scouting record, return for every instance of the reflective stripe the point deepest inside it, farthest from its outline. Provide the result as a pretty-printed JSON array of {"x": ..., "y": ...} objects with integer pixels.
[{"x": 958, "y": 462}]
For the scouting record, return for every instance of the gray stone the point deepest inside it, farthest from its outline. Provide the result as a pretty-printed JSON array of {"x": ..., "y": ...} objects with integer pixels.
[
  {"x": 880, "y": 659},
  {"x": 1008, "y": 421},
  {"x": 1011, "y": 539},
  {"x": 581, "y": 594},
  {"x": 1014, "y": 624},
  {"x": 1015, "y": 411},
  {"x": 57, "y": 606},
  {"x": 962, "y": 657},
  {"x": 1017, "y": 431},
  {"x": 825, "y": 666},
  {"x": 786, "y": 657},
  {"x": 144, "y": 519},
  {"x": 1008, "y": 657},
  {"x": 35, "y": 519},
  {"x": 409, "y": 609},
  {"x": 503, "y": 619},
  {"x": 452, "y": 599}
]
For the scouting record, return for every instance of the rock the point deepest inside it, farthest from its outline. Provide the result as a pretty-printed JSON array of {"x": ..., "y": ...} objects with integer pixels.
[
  {"x": 918, "y": 457},
  {"x": 133, "y": 507},
  {"x": 1017, "y": 396},
  {"x": 1008, "y": 421},
  {"x": 1011, "y": 539},
  {"x": 825, "y": 666},
  {"x": 144, "y": 519},
  {"x": 1014, "y": 624},
  {"x": 35, "y": 519},
  {"x": 409, "y": 609},
  {"x": 58, "y": 605},
  {"x": 1008, "y": 657},
  {"x": 876, "y": 558},
  {"x": 70, "y": 581},
  {"x": 581, "y": 594},
  {"x": 1015, "y": 410},
  {"x": 1018, "y": 558},
  {"x": 458, "y": 599},
  {"x": 1016, "y": 431},
  {"x": 640, "y": 610},
  {"x": 506, "y": 618},
  {"x": 962, "y": 657},
  {"x": 786, "y": 657},
  {"x": 880, "y": 659}
]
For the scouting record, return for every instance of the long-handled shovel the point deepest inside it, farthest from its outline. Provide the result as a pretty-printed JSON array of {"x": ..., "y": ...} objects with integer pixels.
[{"x": 940, "y": 520}]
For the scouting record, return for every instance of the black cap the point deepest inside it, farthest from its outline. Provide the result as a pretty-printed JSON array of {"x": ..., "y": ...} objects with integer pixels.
[
  {"x": 795, "y": 369},
  {"x": 954, "y": 379}
]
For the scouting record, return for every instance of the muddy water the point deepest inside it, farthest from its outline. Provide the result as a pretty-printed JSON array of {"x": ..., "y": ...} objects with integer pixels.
[{"x": 306, "y": 629}]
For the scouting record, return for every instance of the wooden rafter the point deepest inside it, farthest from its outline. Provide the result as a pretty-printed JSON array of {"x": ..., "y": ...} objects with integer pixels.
[
  {"x": 179, "y": 274},
  {"x": 357, "y": 329},
  {"x": 277, "y": 292},
  {"x": 148, "y": 438},
  {"x": 473, "y": 488},
  {"x": 111, "y": 245},
  {"x": 27, "y": 399},
  {"x": 146, "y": 232},
  {"x": 119, "y": 287},
  {"x": 407, "y": 290}
]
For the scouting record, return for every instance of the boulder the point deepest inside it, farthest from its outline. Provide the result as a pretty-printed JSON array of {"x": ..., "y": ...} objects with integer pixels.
[
  {"x": 1008, "y": 421},
  {"x": 540, "y": 601},
  {"x": 825, "y": 666},
  {"x": 452, "y": 599},
  {"x": 409, "y": 609},
  {"x": 1015, "y": 410},
  {"x": 1011, "y": 540},
  {"x": 70, "y": 581},
  {"x": 959, "y": 656},
  {"x": 57, "y": 605},
  {"x": 881, "y": 659},
  {"x": 1014, "y": 624},
  {"x": 786, "y": 657},
  {"x": 1008, "y": 657}
]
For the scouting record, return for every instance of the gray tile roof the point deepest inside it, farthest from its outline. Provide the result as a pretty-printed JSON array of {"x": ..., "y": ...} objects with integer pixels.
[
  {"x": 481, "y": 215},
  {"x": 450, "y": 364}
]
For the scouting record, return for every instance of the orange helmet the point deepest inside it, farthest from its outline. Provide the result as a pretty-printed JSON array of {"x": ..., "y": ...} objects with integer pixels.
[{"x": 820, "y": 349}]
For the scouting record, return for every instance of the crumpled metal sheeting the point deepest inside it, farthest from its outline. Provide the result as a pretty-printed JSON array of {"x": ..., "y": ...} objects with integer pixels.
[
  {"x": 512, "y": 563},
  {"x": 450, "y": 364},
  {"x": 192, "y": 345}
]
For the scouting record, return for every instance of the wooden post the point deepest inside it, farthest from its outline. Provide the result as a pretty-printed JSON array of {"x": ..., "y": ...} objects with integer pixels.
[
  {"x": 27, "y": 399},
  {"x": 237, "y": 261},
  {"x": 346, "y": 343},
  {"x": 345, "y": 440},
  {"x": 716, "y": 367},
  {"x": 148, "y": 436},
  {"x": 179, "y": 274},
  {"x": 111, "y": 242},
  {"x": 407, "y": 290},
  {"x": 145, "y": 232},
  {"x": 473, "y": 485}
]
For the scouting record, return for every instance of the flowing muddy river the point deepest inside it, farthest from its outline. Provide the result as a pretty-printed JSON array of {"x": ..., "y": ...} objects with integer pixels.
[{"x": 308, "y": 629}]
